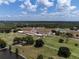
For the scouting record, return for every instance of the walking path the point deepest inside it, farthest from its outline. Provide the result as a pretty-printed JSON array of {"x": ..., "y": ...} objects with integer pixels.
[{"x": 23, "y": 56}]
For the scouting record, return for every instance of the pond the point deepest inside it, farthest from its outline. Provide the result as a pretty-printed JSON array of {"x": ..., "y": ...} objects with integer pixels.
[{"x": 5, "y": 54}]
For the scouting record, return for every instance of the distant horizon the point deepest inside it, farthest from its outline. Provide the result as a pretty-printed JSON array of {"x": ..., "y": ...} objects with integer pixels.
[{"x": 32, "y": 21}]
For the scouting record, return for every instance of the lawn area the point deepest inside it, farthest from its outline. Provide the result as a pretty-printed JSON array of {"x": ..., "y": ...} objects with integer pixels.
[
  {"x": 50, "y": 48},
  {"x": 31, "y": 53},
  {"x": 53, "y": 42}
]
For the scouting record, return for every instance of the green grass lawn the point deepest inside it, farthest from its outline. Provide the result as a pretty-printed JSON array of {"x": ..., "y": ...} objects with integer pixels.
[
  {"x": 53, "y": 42},
  {"x": 50, "y": 50}
]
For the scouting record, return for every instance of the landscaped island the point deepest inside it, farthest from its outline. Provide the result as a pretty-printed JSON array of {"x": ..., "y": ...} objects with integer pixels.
[{"x": 40, "y": 41}]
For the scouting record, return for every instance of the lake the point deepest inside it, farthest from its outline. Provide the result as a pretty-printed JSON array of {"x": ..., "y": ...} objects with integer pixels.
[{"x": 7, "y": 55}]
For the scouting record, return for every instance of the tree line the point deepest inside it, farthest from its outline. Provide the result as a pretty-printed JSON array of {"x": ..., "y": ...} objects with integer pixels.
[{"x": 14, "y": 25}]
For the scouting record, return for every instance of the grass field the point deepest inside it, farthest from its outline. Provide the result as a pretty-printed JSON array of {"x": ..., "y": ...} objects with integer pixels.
[
  {"x": 53, "y": 42},
  {"x": 49, "y": 50}
]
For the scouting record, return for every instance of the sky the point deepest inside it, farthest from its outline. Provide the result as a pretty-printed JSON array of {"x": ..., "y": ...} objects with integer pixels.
[{"x": 39, "y": 10}]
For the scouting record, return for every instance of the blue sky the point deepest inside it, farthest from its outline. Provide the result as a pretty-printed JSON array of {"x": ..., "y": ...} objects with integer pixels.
[{"x": 39, "y": 10}]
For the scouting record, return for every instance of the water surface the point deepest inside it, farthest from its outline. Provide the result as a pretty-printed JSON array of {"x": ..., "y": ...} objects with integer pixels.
[{"x": 7, "y": 55}]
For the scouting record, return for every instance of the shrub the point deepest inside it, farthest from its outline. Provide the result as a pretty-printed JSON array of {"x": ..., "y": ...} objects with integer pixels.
[
  {"x": 16, "y": 30},
  {"x": 16, "y": 40},
  {"x": 69, "y": 35},
  {"x": 76, "y": 44},
  {"x": 57, "y": 33},
  {"x": 2, "y": 44},
  {"x": 30, "y": 40},
  {"x": 53, "y": 31},
  {"x": 64, "y": 52},
  {"x": 39, "y": 43},
  {"x": 50, "y": 58},
  {"x": 40, "y": 57},
  {"x": 61, "y": 40}
]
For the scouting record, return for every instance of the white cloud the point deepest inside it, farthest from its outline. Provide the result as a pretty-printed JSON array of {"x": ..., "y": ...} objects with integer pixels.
[
  {"x": 24, "y": 12},
  {"x": 72, "y": 7},
  {"x": 64, "y": 2},
  {"x": 65, "y": 5},
  {"x": 76, "y": 12},
  {"x": 46, "y": 3},
  {"x": 44, "y": 12},
  {"x": 8, "y": 16},
  {"x": 33, "y": 8},
  {"x": 6, "y": 1},
  {"x": 22, "y": 6},
  {"x": 29, "y": 6}
]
